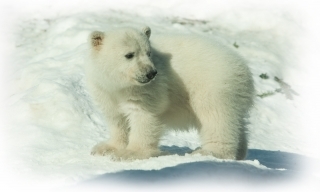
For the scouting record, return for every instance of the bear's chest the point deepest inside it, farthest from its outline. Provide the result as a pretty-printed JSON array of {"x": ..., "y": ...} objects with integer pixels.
[{"x": 130, "y": 106}]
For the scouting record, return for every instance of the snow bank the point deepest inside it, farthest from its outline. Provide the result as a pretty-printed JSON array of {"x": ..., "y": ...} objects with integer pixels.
[{"x": 52, "y": 124}]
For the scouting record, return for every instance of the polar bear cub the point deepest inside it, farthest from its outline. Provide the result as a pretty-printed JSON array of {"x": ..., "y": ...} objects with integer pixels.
[{"x": 145, "y": 86}]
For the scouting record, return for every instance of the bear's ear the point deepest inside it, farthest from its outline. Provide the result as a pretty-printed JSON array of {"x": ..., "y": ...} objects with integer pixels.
[
  {"x": 146, "y": 30},
  {"x": 96, "y": 39}
]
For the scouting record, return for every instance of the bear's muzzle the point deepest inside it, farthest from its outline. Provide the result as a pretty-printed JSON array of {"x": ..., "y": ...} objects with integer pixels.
[{"x": 150, "y": 75}]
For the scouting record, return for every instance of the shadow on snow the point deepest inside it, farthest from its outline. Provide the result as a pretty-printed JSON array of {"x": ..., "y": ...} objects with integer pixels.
[{"x": 217, "y": 171}]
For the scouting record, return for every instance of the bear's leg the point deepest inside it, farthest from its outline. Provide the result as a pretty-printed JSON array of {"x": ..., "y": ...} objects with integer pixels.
[
  {"x": 145, "y": 131},
  {"x": 222, "y": 137},
  {"x": 243, "y": 144},
  {"x": 118, "y": 138}
]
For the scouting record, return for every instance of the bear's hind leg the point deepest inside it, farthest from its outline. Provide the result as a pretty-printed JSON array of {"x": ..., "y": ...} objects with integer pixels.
[
  {"x": 222, "y": 138},
  {"x": 243, "y": 144}
]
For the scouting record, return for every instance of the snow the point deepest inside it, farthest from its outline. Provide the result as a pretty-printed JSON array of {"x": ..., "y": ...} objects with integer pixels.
[{"x": 50, "y": 124}]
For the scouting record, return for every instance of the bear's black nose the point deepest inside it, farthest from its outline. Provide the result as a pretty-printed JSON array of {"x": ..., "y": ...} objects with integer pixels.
[{"x": 152, "y": 74}]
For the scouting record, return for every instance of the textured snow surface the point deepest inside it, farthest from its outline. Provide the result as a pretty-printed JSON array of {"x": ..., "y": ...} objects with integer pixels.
[{"x": 51, "y": 124}]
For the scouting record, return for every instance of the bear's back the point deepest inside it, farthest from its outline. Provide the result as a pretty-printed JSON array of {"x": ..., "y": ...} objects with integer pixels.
[{"x": 201, "y": 61}]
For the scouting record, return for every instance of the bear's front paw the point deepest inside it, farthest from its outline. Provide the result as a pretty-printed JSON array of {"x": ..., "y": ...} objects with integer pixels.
[
  {"x": 129, "y": 155},
  {"x": 103, "y": 149}
]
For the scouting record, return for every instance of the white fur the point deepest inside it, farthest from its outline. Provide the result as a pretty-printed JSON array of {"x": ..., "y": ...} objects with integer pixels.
[{"x": 200, "y": 83}]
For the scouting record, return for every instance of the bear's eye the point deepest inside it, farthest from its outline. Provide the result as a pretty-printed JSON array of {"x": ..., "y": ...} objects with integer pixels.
[
  {"x": 149, "y": 53},
  {"x": 129, "y": 55}
]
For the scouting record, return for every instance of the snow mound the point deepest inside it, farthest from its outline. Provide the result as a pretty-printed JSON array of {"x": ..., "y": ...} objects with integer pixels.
[{"x": 53, "y": 124}]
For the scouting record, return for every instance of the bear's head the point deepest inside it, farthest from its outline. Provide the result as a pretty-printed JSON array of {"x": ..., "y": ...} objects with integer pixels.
[{"x": 123, "y": 55}]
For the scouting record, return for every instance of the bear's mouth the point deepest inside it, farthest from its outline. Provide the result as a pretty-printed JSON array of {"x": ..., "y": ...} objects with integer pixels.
[{"x": 143, "y": 81}]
